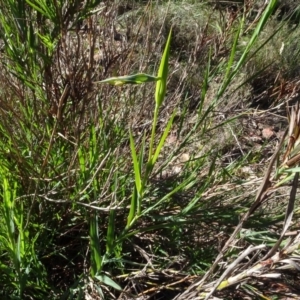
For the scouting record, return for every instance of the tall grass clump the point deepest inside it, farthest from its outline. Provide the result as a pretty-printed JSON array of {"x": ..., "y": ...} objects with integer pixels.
[{"x": 121, "y": 149}]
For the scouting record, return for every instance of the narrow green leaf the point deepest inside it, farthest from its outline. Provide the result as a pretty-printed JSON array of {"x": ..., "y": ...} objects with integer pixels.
[
  {"x": 137, "y": 174},
  {"x": 130, "y": 79},
  {"x": 81, "y": 161},
  {"x": 163, "y": 139},
  {"x": 96, "y": 258},
  {"x": 133, "y": 206},
  {"x": 138, "y": 183},
  {"x": 161, "y": 85},
  {"x": 141, "y": 158},
  {"x": 108, "y": 281},
  {"x": 293, "y": 170},
  {"x": 44, "y": 8},
  {"x": 262, "y": 22}
]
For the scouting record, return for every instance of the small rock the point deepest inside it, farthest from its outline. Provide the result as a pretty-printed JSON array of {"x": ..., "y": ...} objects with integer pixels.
[
  {"x": 267, "y": 133},
  {"x": 184, "y": 157}
]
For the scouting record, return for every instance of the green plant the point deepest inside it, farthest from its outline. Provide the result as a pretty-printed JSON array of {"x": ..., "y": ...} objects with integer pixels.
[{"x": 108, "y": 194}]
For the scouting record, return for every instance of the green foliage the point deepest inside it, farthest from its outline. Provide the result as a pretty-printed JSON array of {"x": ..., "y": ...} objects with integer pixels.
[
  {"x": 100, "y": 182},
  {"x": 132, "y": 79},
  {"x": 20, "y": 263}
]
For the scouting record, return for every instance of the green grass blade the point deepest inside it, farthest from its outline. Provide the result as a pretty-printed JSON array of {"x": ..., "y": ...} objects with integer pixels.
[
  {"x": 43, "y": 8},
  {"x": 161, "y": 85},
  {"x": 143, "y": 181},
  {"x": 133, "y": 207},
  {"x": 160, "y": 90},
  {"x": 162, "y": 140},
  {"x": 137, "y": 167},
  {"x": 136, "y": 194},
  {"x": 108, "y": 281},
  {"x": 130, "y": 79},
  {"x": 262, "y": 22},
  {"x": 96, "y": 258}
]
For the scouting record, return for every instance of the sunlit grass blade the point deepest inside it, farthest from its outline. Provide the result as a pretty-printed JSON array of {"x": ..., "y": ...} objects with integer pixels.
[
  {"x": 130, "y": 79},
  {"x": 45, "y": 8},
  {"x": 161, "y": 85},
  {"x": 133, "y": 207},
  {"x": 136, "y": 165},
  {"x": 137, "y": 191},
  {"x": 232, "y": 71},
  {"x": 262, "y": 22},
  {"x": 143, "y": 180},
  {"x": 160, "y": 90},
  {"x": 162, "y": 141}
]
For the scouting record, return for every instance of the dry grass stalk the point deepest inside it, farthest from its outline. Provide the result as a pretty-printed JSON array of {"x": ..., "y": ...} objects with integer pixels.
[
  {"x": 268, "y": 186},
  {"x": 260, "y": 269}
]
